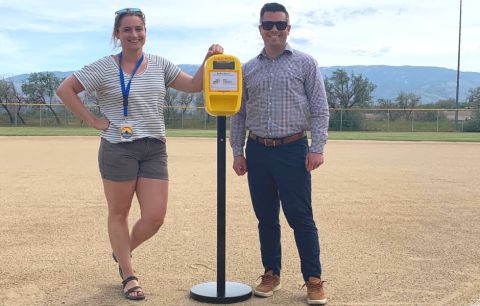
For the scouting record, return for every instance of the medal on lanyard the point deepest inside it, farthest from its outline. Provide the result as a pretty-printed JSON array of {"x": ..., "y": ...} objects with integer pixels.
[{"x": 126, "y": 128}]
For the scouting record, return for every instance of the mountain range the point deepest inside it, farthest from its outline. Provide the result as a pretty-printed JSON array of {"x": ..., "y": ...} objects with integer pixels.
[{"x": 431, "y": 83}]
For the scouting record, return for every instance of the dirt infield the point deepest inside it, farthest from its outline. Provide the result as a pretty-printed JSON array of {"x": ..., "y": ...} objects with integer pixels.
[{"x": 399, "y": 224}]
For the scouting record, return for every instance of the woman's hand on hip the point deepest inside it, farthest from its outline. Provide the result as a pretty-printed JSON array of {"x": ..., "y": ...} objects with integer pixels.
[{"x": 101, "y": 124}]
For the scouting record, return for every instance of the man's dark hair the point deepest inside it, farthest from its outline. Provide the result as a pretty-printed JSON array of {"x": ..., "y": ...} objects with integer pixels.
[{"x": 274, "y": 7}]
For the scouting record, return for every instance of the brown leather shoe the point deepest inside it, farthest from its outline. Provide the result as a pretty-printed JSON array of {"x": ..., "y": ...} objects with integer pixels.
[
  {"x": 315, "y": 293},
  {"x": 268, "y": 285}
]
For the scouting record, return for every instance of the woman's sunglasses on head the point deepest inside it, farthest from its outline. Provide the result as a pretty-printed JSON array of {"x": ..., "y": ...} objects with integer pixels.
[
  {"x": 280, "y": 25},
  {"x": 128, "y": 9}
]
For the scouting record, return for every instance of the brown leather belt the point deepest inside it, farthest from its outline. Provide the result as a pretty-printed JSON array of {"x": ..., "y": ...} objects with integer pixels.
[{"x": 277, "y": 141}]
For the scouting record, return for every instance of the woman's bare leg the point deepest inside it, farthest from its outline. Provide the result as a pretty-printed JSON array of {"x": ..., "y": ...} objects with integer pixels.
[
  {"x": 152, "y": 196},
  {"x": 119, "y": 198}
]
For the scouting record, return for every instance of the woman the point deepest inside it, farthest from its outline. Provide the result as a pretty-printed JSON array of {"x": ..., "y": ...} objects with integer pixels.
[{"x": 131, "y": 87}]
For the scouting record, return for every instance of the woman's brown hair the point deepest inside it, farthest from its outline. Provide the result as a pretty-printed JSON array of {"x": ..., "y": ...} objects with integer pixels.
[{"x": 118, "y": 23}]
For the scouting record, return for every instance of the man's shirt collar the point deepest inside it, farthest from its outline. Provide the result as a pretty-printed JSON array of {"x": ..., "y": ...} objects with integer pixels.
[{"x": 286, "y": 50}]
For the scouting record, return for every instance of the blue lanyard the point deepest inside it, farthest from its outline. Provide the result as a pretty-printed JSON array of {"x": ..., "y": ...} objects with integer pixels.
[{"x": 126, "y": 91}]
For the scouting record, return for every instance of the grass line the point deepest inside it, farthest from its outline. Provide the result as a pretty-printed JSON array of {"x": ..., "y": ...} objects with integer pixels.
[{"x": 377, "y": 136}]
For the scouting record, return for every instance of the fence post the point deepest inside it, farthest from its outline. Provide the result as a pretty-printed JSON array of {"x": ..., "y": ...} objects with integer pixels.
[
  {"x": 205, "y": 117},
  {"x": 438, "y": 116},
  {"x": 364, "y": 121},
  {"x": 16, "y": 114},
  {"x": 66, "y": 120},
  {"x": 388, "y": 120},
  {"x": 182, "y": 119},
  {"x": 40, "y": 108},
  {"x": 413, "y": 115},
  {"x": 341, "y": 119}
]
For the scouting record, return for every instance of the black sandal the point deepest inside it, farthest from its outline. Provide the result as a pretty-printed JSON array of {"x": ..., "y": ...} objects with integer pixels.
[
  {"x": 133, "y": 289},
  {"x": 120, "y": 268}
]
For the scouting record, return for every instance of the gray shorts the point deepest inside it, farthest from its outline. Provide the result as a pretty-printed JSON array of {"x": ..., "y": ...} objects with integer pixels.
[{"x": 126, "y": 161}]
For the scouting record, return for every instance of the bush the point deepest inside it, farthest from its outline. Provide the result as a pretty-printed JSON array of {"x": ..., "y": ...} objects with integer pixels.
[
  {"x": 472, "y": 125},
  {"x": 429, "y": 116}
]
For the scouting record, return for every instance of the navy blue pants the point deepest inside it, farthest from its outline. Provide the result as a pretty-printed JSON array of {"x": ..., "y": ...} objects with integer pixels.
[{"x": 278, "y": 174}]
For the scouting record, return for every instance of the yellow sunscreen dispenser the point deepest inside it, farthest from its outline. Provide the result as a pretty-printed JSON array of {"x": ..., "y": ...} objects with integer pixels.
[
  {"x": 223, "y": 95},
  {"x": 222, "y": 85}
]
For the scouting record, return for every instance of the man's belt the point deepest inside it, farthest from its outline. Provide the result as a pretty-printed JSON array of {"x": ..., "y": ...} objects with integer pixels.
[{"x": 277, "y": 141}]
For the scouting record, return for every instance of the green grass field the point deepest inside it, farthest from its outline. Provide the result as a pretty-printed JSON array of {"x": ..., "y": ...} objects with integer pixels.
[{"x": 380, "y": 136}]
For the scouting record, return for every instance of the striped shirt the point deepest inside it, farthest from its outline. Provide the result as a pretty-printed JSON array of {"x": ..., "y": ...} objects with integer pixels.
[
  {"x": 276, "y": 94},
  {"x": 145, "y": 100}
]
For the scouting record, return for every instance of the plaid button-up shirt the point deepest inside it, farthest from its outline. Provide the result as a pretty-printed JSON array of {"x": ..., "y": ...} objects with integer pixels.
[{"x": 276, "y": 94}]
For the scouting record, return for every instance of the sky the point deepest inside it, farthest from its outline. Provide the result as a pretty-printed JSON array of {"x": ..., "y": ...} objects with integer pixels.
[{"x": 65, "y": 35}]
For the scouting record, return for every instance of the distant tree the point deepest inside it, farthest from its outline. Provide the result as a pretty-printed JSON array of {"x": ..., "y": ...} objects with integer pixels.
[
  {"x": 10, "y": 95},
  {"x": 407, "y": 101},
  {"x": 200, "y": 102},
  {"x": 430, "y": 115},
  {"x": 445, "y": 103},
  {"x": 348, "y": 91},
  {"x": 20, "y": 101},
  {"x": 439, "y": 115},
  {"x": 40, "y": 88},
  {"x": 474, "y": 97},
  {"x": 389, "y": 104},
  {"x": 344, "y": 91},
  {"x": 89, "y": 99},
  {"x": 185, "y": 100},
  {"x": 5, "y": 98},
  {"x": 170, "y": 100},
  {"x": 473, "y": 125}
]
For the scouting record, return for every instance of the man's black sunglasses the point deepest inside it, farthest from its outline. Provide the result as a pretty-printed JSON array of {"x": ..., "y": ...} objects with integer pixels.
[{"x": 280, "y": 25}]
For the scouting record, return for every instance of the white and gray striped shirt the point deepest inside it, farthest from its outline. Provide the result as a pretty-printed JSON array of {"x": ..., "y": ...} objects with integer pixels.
[
  {"x": 145, "y": 101},
  {"x": 276, "y": 94}
]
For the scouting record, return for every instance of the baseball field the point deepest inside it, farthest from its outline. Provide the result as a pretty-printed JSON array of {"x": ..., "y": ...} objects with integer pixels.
[{"x": 399, "y": 224}]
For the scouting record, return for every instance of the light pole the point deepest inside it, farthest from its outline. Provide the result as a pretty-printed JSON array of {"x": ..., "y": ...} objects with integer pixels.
[{"x": 458, "y": 68}]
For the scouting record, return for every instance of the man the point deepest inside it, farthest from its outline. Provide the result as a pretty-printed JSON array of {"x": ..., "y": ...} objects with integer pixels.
[{"x": 278, "y": 86}]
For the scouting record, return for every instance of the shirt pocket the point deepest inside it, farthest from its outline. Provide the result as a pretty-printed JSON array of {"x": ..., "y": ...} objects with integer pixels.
[
  {"x": 257, "y": 85},
  {"x": 289, "y": 87}
]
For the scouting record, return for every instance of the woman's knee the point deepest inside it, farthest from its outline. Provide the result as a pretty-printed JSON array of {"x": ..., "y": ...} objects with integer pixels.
[
  {"x": 155, "y": 221},
  {"x": 118, "y": 215}
]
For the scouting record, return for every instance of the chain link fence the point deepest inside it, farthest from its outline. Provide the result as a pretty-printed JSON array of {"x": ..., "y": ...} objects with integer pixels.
[
  {"x": 196, "y": 118},
  {"x": 399, "y": 120}
]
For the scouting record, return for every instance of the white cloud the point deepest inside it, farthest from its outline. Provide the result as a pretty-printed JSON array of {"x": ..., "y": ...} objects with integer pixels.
[
  {"x": 374, "y": 51},
  {"x": 258, "y": 41},
  {"x": 303, "y": 36},
  {"x": 329, "y": 17},
  {"x": 243, "y": 39},
  {"x": 9, "y": 46},
  {"x": 68, "y": 47},
  {"x": 324, "y": 18},
  {"x": 401, "y": 11},
  {"x": 53, "y": 35},
  {"x": 348, "y": 12},
  {"x": 251, "y": 13}
]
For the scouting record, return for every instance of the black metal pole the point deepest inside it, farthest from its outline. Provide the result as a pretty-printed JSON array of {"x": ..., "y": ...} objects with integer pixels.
[
  {"x": 458, "y": 67},
  {"x": 221, "y": 203},
  {"x": 221, "y": 292}
]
